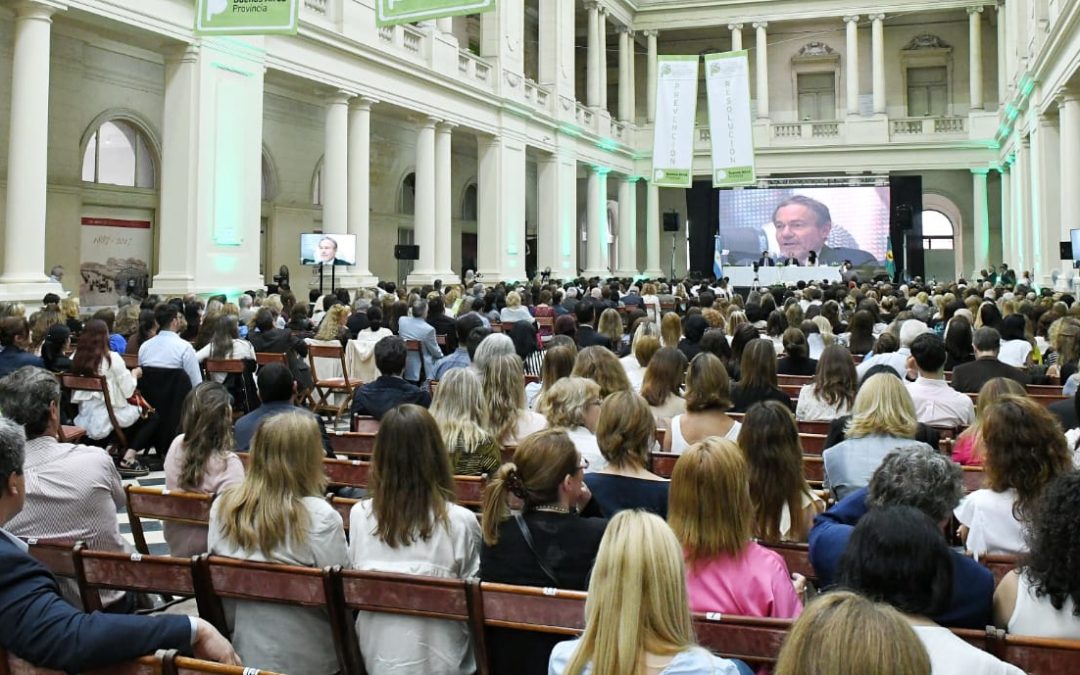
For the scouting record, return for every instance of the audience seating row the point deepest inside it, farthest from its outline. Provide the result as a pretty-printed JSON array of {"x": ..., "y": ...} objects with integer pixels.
[
  {"x": 211, "y": 578},
  {"x": 162, "y": 663}
]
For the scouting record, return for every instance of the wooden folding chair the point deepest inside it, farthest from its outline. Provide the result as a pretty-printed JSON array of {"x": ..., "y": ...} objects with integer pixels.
[
  {"x": 303, "y": 396},
  {"x": 189, "y": 508},
  {"x": 404, "y": 594},
  {"x": 229, "y": 578},
  {"x": 325, "y": 388},
  {"x": 751, "y": 639},
  {"x": 110, "y": 570},
  {"x": 97, "y": 384}
]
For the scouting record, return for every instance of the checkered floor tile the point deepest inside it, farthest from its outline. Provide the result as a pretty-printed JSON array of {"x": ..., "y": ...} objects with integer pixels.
[{"x": 152, "y": 530}]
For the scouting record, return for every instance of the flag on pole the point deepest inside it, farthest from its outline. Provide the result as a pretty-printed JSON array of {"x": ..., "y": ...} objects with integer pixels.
[{"x": 890, "y": 262}]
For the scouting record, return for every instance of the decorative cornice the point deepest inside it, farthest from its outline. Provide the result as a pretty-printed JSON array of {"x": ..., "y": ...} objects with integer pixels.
[
  {"x": 815, "y": 49},
  {"x": 926, "y": 41}
]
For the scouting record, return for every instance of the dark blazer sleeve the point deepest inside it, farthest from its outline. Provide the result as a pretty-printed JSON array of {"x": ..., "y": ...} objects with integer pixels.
[{"x": 42, "y": 628}]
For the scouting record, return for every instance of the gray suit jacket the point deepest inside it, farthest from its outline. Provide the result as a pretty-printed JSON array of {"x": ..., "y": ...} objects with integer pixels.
[{"x": 410, "y": 328}]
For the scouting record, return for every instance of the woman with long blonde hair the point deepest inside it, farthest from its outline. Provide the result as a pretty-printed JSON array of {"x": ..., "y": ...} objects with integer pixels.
[
  {"x": 882, "y": 420},
  {"x": 637, "y": 617},
  {"x": 410, "y": 525},
  {"x": 728, "y": 571},
  {"x": 459, "y": 411},
  {"x": 508, "y": 420},
  {"x": 278, "y": 515},
  {"x": 573, "y": 404},
  {"x": 670, "y": 330}
]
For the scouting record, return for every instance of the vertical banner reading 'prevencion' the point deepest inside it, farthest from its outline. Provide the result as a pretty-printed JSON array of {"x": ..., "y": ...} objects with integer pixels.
[
  {"x": 727, "y": 82},
  {"x": 676, "y": 108}
]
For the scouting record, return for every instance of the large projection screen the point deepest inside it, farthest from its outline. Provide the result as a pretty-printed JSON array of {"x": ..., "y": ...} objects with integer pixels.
[{"x": 857, "y": 227}]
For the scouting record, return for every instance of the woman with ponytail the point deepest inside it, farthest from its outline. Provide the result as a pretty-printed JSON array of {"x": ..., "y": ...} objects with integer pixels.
[{"x": 546, "y": 544}]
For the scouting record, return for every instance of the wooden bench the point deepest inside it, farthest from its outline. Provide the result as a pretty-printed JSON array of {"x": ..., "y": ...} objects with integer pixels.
[
  {"x": 812, "y": 444},
  {"x": 352, "y": 444},
  {"x": 110, "y": 570}
]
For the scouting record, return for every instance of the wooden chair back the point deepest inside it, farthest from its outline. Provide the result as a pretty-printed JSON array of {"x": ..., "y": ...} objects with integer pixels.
[
  {"x": 974, "y": 478},
  {"x": 1036, "y": 656},
  {"x": 794, "y": 380},
  {"x": 752, "y": 639},
  {"x": 131, "y": 361},
  {"x": 70, "y": 434},
  {"x": 110, "y": 570},
  {"x": 812, "y": 444},
  {"x": 57, "y": 555},
  {"x": 343, "y": 506},
  {"x": 819, "y": 427},
  {"x": 266, "y": 358},
  {"x": 352, "y": 444},
  {"x": 527, "y": 608},
  {"x": 814, "y": 470},
  {"x": 999, "y": 564},
  {"x": 96, "y": 384},
  {"x": 190, "y": 508}
]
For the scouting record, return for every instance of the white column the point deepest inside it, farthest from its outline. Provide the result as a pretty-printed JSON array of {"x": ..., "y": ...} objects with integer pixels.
[
  {"x": 500, "y": 224},
  {"x": 877, "y": 38},
  {"x": 975, "y": 56},
  {"x": 557, "y": 214},
  {"x": 592, "y": 75},
  {"x": 652, "y": 231},
  {"x": 981, "y": 226},
  {"x": 631, "y": 81},
  {"x": 360, "y": 189},
  {"x": 601, "y": 38},
  {"x": 1008, "y": 218},
  {"x": 1021, "y": 255},
  {"x": 627, "y": 242},
  {"x": 624, "y": 73},
  {"x": 596, "y": 222},
  {"x": 1046, "y": 187},
  {"x": 445, "y": 25},
  {"x": 27, "y": 175},
  {"x": 851, "y": 63},
  {"x": 736, "y": 36},
  {"x": 761, "y": 65},
  {"x": 443, "y": 203},
  {"x": 1002, "y": 61},
  {"x": 1069, "y": 134},
  {"x": 424, "y": 218},
  {"x": 335, "y": 174},
  {"x": 650, "y": 65}
]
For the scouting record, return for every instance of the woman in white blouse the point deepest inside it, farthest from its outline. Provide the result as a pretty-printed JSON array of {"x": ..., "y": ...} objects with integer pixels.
[
  {"x": 513, "y": 310},
  {"x": 279, "y": 515},
  {"x": 708, "y": 398},
  {"x": 832, "y": 393},
  {"x": 409, "y": 525},
  {"x": 225, "y": 343},
  {"x": 1025, "y": 450}
]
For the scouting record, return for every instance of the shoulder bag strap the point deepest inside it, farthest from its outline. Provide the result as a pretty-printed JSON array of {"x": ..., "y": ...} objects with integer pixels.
[{"x": 523, "y": 526}]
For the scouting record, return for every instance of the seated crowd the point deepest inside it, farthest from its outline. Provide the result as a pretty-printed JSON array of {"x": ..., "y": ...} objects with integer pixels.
[{"x": 646, "y": 442}]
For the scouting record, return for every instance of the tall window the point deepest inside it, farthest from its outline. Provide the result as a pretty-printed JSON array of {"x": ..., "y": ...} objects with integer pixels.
[
  {"x": 817, "y": 96},
  {"x": 937, "y": 231},
  {"x": 408, "y": 195},
  {"x": 468, "y": 204},
  {"x": 119, "y": 154},
  {"x": 927, "y": 92}
]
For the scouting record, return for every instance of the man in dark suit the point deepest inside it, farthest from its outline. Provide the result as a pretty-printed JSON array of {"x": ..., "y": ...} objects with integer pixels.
[
  {"x": 766, "y": 260},
  {"x": 389, "y": 389},
  {"x": 14, "y": 335},
  {"x": 277, "y": 390},
  {"x": 586, "y": 333},
  {"x": 271, "y": 340},
  {"x": 42, "y": 628},
  {"x": 970, "y": 377},
  {"x": 325, "y": 254},
  {"x": 358, "y": 320},
  {"x": 803, "y": 225}
]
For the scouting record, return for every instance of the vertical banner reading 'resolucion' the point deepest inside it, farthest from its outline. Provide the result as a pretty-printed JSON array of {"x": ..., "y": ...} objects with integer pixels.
[
  {"x": 727, "y": 81},
  {"x": 676, "y": 108}
]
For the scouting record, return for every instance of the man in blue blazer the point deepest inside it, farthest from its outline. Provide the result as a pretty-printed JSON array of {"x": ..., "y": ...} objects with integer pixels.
[
  {"x": 40, "y": 627},
  {"x": 14, "y": 334},
  {"x": 416, "y": 327}
]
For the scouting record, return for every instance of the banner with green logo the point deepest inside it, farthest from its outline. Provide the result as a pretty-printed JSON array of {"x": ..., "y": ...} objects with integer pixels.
[
  {"x": 727, "y": 81},
  {"x": 390, "y": 12},
  {"x": 246, "y": 17},
  {"x": 673, "y": 133}
]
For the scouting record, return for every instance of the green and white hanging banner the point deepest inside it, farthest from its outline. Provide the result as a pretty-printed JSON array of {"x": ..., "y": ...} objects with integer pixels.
[
  {"x": 676, "y": 110},
  {"x": 391, "y": 12},
  {"x": 727, "y": 82},
  {"x": 246, "y": 17}
]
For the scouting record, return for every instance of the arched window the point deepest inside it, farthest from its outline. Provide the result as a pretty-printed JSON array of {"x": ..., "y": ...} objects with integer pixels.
[
  {"x": 937, "y": 231},
  {"x": 408, "y": 195},
  {"x": 119, "y": 153},
  {"x": 468, "y": 204}
]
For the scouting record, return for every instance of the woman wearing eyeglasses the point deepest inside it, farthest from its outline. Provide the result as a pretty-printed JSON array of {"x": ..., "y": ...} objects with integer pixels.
[
  {"x": 546, "y": 544},
  {"x": 573, "y": 403}
]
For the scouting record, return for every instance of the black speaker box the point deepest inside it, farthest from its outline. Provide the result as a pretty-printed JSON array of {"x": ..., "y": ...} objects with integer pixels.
[
  {"x": 406, "y": 252},
  {"x": 671, "y": 222},
  {"x": 1065, "y": 248}
]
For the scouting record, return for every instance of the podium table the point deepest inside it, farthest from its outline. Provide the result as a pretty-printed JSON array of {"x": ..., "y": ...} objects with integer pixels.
[{"x": 743, "y": 275}]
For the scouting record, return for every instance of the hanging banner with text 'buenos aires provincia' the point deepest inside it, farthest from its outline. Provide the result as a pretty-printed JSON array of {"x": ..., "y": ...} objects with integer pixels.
[
  {"x": 676, "y": 108},
  {"x": 390, "y": 12},
  {"x": 727, "y": 81},
  {"x": 246, "y": 17}
]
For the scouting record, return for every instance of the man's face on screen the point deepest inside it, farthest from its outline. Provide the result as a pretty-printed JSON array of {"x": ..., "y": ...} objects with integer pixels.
[
  {"x": 327, "y": 250},
  {"x": 798, "y": 231}
]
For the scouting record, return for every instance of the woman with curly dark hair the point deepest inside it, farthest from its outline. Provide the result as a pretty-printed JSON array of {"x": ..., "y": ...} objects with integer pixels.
[
  {"x": 1025, "y": 450},
  {"x": 1043, "y": 598}
]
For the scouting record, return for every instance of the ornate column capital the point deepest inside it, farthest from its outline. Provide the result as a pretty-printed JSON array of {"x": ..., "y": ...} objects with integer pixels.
[
  {"x": 444, "y": 126},
  {"x": 650, "y": 32},
  {"x": 624, "y": 29},
  {"x": 980, "y": 171},
  {"x": 336, "y": 97},
  {"x": 37, "y": 9},
  {"x": 600, "y": 171},
  {"x": 591, "y": 5},
  {"x": 759, "y": 25},
  {"x": 1066, "y": 95},
  {"x": 734, "y": 26},
  {"x": 975, "y": 10},
  {"x": 851, "y": 18},
  {"x": 362, "y": 102},
  {"x": 876, "y": 17}
]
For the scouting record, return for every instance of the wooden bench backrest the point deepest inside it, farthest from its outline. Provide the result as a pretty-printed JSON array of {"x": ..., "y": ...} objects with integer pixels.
[
  {"x": 794, "y": 380},
  {"x": 352, "y": 444},
  {"x": 111, "y": 570},
  {"x": 131, "y": 361},
  {"x": 751, "y": 639},
  {"x": 146, "y": 665},
  {"x": 544, "y": 610},
  {"x": 819, "y": 427},
  {"x": 225, "y": 366},
  {"x": 796, "y": 557},
  {"x": 974, "y": 478},
  {"x": 57, "y": 555},
  {"x": 183, "y": 665},
  {"x": 812, "y": 444},
  {"x": 352, "y": 473},
  {"x": 191, "y": 508},
  {"x": 365, "y": 424}
]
